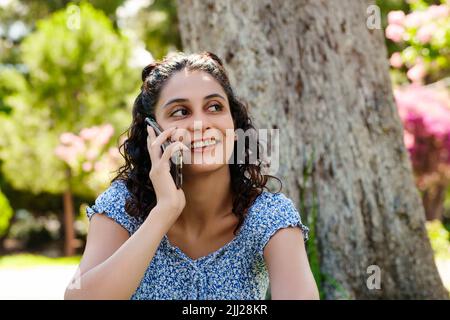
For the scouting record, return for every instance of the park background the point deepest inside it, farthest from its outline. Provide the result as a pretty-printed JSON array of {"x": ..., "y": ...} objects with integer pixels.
[{"x": 69, "y": 73}]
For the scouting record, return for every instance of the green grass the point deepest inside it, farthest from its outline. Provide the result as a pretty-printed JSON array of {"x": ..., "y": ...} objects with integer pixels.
[{"x": 26, "y": 260}]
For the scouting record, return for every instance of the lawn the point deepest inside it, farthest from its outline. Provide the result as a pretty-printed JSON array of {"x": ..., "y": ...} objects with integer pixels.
[{"x": 27, "y": 260}]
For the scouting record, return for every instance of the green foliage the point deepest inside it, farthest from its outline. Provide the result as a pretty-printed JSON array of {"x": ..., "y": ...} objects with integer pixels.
[
  {"x": 418, "y": 34},
  {"x": 11, "y": 82},
  {"x": 31, "y": 260},
  {"x": 439, "y": 238},
  {"x": 6, "y": 213},
  {"x": 156, "y": 25},
  {"x": 311, "y": 244},
  {"x": 160, "y": 28},
  {"x": 32, "y": 231},
  {"x": 78, "y": 76}
]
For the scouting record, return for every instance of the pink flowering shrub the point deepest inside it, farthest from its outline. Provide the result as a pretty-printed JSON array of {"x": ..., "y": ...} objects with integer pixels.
[
  {"x": 88, "y": 156},
  {"x": 425, "y": 113},
  {"x": 424, "y": 36}
]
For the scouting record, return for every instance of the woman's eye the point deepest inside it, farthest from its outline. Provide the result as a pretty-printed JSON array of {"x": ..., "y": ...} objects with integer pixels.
[
  {"x": 178, "y": 112},
  {"x": 182, "y": 111},
  {"x": 218, "y": 106}
]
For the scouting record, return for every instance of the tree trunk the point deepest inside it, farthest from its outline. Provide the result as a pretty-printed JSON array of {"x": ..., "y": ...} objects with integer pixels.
[
  {"x": 314, "y": 69},
  {"x": 69, "y": 232},
  {"x": 433, "y": 202}
]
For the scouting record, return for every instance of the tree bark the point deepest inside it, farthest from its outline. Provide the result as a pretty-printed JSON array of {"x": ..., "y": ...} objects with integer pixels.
[
  {"x": 433, "y": 202},
  {"x": 314, "y": 69},
  {"x": 69, "y": 231}
]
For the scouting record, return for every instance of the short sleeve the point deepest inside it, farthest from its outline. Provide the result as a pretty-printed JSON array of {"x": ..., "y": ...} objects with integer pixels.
[
  {"x": 279, "y": 213},
  {"x": 112, "y": 203}
]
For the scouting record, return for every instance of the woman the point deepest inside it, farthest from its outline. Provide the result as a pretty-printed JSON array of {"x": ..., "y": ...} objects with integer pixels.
[{"x": 220, "y": 236}]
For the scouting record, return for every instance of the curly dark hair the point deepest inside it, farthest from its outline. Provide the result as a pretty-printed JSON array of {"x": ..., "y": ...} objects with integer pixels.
[{"x": 247, "y": 179}]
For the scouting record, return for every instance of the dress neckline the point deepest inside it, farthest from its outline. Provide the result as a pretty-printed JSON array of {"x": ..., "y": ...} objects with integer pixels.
[
  {"x": 211, "y": 254},
  {"x": 221, "y": 249}
]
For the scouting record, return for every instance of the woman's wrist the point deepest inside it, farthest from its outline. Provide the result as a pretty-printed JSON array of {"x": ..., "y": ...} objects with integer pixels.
[{"x": 168, "y": 210}]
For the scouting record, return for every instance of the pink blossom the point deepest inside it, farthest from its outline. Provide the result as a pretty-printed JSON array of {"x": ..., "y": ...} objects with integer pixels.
[
  {"x": 114, "y": 153},
  {"x": 67, "y": 137},
  {"x": 396, "y": 17},
  {"x": 414, "y": 19},
  {"x": 92, "y": 153},
  {"x": 425, "y": 113},
  {"x": 99, "y": 166},
  {"x": 67, "y": 154},
  {"x": 87, "y": 166},
  {"x": 422, "y": 106},
  {"x": 395, "y": 32},
  {"x": 89, "y": 133},
  {"x": 396, "y": 60},
  {"x": 416, "y": 73},
  {"x": 104, "y": 134},
  {"x": 437, "y": 12},
  {"x": 426, "y": 32},
  {"x": 79, "y": 145},
  {"x": 60, "y": 152},
  {"x": 408, "y": 139}
]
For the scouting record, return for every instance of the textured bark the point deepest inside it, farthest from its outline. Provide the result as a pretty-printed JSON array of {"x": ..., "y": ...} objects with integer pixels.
[
  {"x": 315, "y": 70},
  {"x": 433, "y": 202}
]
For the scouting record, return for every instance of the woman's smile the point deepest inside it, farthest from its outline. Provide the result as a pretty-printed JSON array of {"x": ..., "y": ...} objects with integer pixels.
[{"x": 205, "y": 145}]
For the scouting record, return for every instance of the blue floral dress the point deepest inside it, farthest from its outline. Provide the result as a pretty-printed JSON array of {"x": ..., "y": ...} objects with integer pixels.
[{"x": 236, "y": 271}]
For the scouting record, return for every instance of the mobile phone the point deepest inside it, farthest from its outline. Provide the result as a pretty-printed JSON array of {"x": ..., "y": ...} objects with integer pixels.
[{"x": 175, "y": 168}]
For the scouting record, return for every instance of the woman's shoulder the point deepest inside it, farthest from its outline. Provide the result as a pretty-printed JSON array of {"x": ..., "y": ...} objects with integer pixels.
[
  {"x": 115, "y": 195},
  {"x": 271, "y": 212},
  {"x": 111, "y": 202},
  {"x": 117, "y": 189},
  {"x": 269, "y": 204},
  {"x": 272, "y": 198}
]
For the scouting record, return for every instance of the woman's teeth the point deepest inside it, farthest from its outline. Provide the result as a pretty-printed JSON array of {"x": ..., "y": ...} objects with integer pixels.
[{"x": 201, "y": 144}]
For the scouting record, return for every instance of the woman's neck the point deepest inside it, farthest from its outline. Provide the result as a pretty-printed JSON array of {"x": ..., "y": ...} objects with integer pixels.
[{"x": 208, "y": 199}]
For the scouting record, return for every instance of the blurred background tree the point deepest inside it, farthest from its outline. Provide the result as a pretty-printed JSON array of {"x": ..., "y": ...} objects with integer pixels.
[
  {"x": 59, "y": 85},
  {"x": 418, "y": 39},
  {"x": 74, "y": 68}
]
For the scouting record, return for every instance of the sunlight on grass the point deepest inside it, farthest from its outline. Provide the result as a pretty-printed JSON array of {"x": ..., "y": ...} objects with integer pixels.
[
  {"x": 440, "y": 242},
  {"x": 26, "y": 260}
]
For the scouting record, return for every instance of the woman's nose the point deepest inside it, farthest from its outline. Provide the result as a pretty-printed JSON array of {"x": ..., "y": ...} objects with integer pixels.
[
  {"x": 199, "y": 123},
  {"x": 194, "y": 130}
]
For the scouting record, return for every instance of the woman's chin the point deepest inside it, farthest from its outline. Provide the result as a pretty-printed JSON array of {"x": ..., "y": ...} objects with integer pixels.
[
  {"x": 198, "y": 168},
  {"x": 207, "y": 160},
  {"x": 208, "y": 164}
]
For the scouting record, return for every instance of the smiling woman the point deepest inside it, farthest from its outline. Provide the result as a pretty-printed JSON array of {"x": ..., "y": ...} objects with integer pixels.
[{"x": 221, "y": 236}]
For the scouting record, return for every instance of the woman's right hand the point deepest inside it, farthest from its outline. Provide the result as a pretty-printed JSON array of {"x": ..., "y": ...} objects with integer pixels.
[{"x": 167, "y": 194}]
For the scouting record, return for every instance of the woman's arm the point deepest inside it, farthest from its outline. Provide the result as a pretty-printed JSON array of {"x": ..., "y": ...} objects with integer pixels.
[
  {"x": 113, "y": 263},
  {"x": 289, "y": 271}
]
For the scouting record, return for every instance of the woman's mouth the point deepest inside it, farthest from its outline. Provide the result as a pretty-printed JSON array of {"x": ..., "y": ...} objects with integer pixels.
[{"x": 204, "y": 145}]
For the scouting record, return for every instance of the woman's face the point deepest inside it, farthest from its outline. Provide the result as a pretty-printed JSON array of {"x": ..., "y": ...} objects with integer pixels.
[{"x": 196, "y": 103}]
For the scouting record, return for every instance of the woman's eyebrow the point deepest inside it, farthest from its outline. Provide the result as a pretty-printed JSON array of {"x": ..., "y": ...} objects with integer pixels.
[{"x": 179, "y": 100}]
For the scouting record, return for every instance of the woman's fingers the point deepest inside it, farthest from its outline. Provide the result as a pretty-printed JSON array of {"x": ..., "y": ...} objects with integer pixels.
[
  {"x": 153, "y": 152},
  {"x": 163, "y": 137},
  {"x": 154, "y": 142},
  {"x": 172, "y": 149}
]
